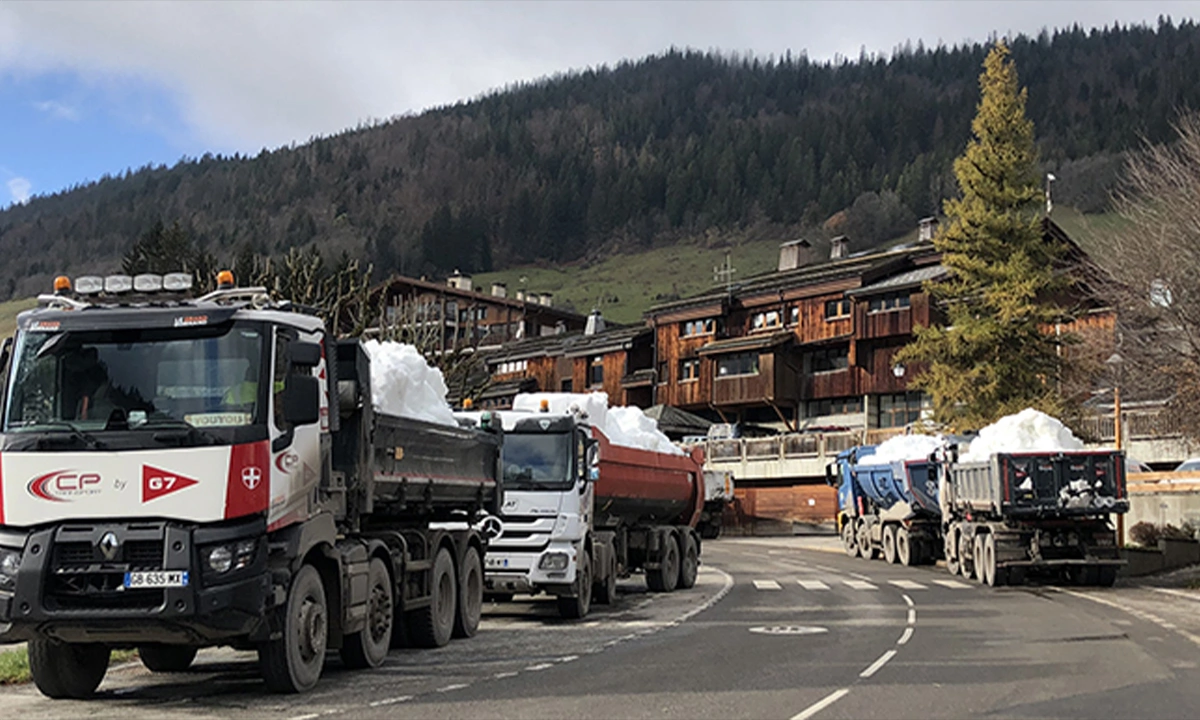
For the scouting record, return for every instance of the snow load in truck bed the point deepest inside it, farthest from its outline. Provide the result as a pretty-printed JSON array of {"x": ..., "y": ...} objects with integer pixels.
[
  {"x": 627, "y": 426},
  {"x": 1026, "y": 431},
  {"x": 403, "y": 384},
  {"x": 902, "y": 447}
]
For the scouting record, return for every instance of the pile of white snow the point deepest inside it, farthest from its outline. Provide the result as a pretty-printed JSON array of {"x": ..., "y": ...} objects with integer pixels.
[
  {"x": 627, "y": 426},
  {"x": 902, "y": 448},
  {"x": 403, "y": 384},
  {"x": 1027, "y": 431}
]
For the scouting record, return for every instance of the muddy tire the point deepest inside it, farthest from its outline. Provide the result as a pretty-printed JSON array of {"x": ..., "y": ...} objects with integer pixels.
[
  {"x": 849, "y": 540},
  {"x": 604, "y": 591},
  {"x": 433, "y": 625},
  {"x": 1107, "y": 576},
  {"x": 665, "y": 577},
  {"x": 293, "y": 662},
  {"x": 369, "y": 647},
  {"x": 470, "y": 595},
  {"x": 67, "y": 671},
  {"x": 167, "y": 658},
  {"x": 988, "y": 573},
  {"x": 905, "y": 554}
]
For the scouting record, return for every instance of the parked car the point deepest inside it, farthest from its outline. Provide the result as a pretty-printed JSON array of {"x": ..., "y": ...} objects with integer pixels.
[
  {"x": 1136, "y": 466},
  {"x": 1192, "y": 465}
]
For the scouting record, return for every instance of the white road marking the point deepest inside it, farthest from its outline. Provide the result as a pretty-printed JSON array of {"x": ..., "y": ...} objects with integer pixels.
[
  {"x": 392, "y": 701},
  {"x": 813, "y": 585},
  {"x": 952, "y": 584},
  {"x": 501, "y": 676},
  {"x": 568, "y": 658},
  {"x": 1150, "y": 617},
  {"x": 860, "y": 577},
  {"x": 908, "y": 600},
  {"x": 455, "y": 686},
  {"x": 309, "y": 716},
  {"x": 860, "y": 584},
  {"x": 907, "y": 584},
  {"x": 767, "y": 585},
  {"x": 874, "y": 668},
  {"x": 540, "y": 666},
  {"x": 912, "y": 616},
  {"x": 821, "y": 704},
  {"x": 908, "y": 633}
]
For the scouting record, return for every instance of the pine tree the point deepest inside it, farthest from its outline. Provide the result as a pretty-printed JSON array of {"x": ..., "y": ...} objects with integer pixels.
[{"x": 992, "y": 356}]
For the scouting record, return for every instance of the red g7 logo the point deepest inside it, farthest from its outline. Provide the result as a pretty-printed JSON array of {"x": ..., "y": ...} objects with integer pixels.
[{"x": 157, "y": 482}]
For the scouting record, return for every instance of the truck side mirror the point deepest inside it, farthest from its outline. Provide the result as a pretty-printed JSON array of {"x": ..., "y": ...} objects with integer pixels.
[
  {"x": 302, "y": 400},
  {"x": 830, "y": 477},
  {"x": 305, "y": 354},
  {"x": 593, "y": 461}
]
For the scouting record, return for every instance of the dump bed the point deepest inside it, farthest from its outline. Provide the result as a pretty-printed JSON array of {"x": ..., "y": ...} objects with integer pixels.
[
  {"x": 402, "y": 467},
  {"x": 913, "y": 482},
  {"x": 1040, "y": 484},
  {"x": 638, "y": 487}
]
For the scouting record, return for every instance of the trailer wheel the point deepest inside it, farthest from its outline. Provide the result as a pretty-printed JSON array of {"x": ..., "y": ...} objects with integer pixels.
[
  {"x": 977, "y": 558},
  {"x": 605, "y": 591},
  {"x": 292, "y": 662},
  {"x": 987, "y": 565},
  {"x": 889, "y": 544},
  {"x": 368, "y": 647},
  {"x": 433, "y": 625},
  {"x": 950, "y": 550},
  {"x": 167, "y": 658},
  {"x": 470, "y": 596},
  {"x": 965, "y": 557},
  {"x": 1107, "y": 576},
  {"x": 575, "y": 608},
  {"x": 665, "y": 577},
  {"x": 67, "y": 670},
  {"x": 904, "y": 548},
  {"x": 689, "y": 564},
  {"x": 865, "y": 549},
  {"x": 848, "y": 540}
]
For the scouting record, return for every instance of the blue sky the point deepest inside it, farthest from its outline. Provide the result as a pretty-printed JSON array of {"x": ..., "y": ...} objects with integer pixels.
[{"x": 98, "y": 87}]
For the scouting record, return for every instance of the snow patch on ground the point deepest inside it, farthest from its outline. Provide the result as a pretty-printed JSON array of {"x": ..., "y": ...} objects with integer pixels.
[
  {"x": 1026, "y": 431},
  {"x": 901, "y": 448},
  {"x": 403, "y": 384},
  {"x": 626, "y": 426}
]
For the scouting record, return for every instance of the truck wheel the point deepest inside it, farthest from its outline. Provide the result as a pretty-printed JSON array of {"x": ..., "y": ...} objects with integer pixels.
[
  {"x": 666, "y": 576},
  {"x": 1107, "y": 576},
  {"x": 889, "y": 544},
  {"x": 988, "y": 565},
  {"x": 67, "y": 671},
  {"x": 848, "y": 540},
  {"x": 433, "y": 625},
  {"x": 865, "y": 549},
  {"x": 605, "y": 590},
  {"x": 977, "y": 558},
  {"x": 167, "y": 658},
  {"x": 950, "y": 550},
  {"x": 470, "y": 596},
  {"x": 368, "y": 647},
  {"x": 689, "y": 563},
  {"x": 293, "y": 662},
  {"x": 575, "y": 608},
  {"x": 966, "y": 558},
  {"x": 904, "y": 548}
]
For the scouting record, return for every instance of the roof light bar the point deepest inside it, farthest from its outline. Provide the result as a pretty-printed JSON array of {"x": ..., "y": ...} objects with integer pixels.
[
  {"x": 118, "y": 284},
  {"x": 147, "y": 282},
  {"x": 62, "y": 284},
  {"x": 89, "y": 284},
  {"x": 177, "y": 282}
]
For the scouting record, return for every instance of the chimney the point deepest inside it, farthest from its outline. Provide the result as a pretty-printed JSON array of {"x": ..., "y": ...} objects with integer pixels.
[
  {"x": 545, "y": 299},
  {"x": 789, "y": 253},
  {"x": 499, "y": 290},
  {"x": 595, "y": 324},
  {"x": 926, "y": 228},
  {"x": 837, "y": 247},
  {"x": 459, "y": 281}
]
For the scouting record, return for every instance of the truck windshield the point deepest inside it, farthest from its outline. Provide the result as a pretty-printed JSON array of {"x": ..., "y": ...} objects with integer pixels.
[
  {"x": 134, "y": 379},
  {"x": 537, "y": 461}
]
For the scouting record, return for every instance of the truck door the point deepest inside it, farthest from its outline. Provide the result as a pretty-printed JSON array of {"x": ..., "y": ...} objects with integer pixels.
[{"x": 296, "y": 460}]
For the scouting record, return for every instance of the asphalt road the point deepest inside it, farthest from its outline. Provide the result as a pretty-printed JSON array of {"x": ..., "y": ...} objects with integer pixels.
[{"x": 772, "y": 630}]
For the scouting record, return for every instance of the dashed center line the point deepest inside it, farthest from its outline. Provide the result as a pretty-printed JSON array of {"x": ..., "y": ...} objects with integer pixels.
[
  {"x": 908, "y": 633},
  {"x": 503, "y": 675},
  {"x": 540, "y": 666},
  {"x": 821, "y": 704},
  {"x": 455, "y": 686},
  {"x": 912, "y": 616},
  {"x": 392, "y": 701}
]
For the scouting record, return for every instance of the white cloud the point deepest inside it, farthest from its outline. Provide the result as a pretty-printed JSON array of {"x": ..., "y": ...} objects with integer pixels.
[
  {"x": 58, "y": 110},
  {"x": 19, "y": 188},
  {"x": 246, "y": 74}
]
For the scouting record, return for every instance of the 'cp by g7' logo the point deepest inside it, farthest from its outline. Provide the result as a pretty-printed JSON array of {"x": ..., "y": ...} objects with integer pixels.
[{"x": 251, "y": 477}]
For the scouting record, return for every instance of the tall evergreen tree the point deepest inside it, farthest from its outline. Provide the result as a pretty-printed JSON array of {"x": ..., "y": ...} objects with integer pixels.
[{"x": 992, "y": 356}]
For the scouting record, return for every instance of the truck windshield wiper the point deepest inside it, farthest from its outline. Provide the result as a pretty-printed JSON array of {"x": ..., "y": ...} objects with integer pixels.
[
  {"x": 178, "y": 432},
  {"x": 67, "y": 430}
]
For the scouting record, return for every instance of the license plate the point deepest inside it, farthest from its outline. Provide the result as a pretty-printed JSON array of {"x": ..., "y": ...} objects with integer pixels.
[{"x": 162, "y": 579}]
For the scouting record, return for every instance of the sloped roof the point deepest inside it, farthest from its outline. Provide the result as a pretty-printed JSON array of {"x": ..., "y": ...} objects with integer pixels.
[
  {"x": 673, "y": 421},
  {"x": 569, "y": 344},
  {"x": 903, "y": 281},
  {"x": 748, "y": 342}
]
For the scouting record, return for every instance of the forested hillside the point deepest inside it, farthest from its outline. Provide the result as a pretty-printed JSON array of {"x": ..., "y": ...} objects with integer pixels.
[{"x": 659, "y": 150}]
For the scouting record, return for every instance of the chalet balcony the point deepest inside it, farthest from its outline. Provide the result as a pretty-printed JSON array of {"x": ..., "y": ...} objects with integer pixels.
[
  {"x": 638, "y": 378},
  {"x": 754, "y": 369}
]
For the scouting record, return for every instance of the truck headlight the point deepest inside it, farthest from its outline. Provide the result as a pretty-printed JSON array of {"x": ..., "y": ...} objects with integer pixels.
[
  {"x": 220, "y": 559},
  {"x": 10, "y": 562},
  {"x": 553, "y": 561},
  {"x": 233, "y": 556}
]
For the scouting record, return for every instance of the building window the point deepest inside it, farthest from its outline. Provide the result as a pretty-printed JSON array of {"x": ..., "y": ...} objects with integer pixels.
[
  {"x": 689, "y": 370},
  {"x": 829, "y": 359},
  {"x": 596, "y": 371},
  {"x": 697, "y": 327},
  {"x": 898, "y": 409},
  {"x": 833, "y": 406},
  {"x": 765, "y": 320},
  {"x": 512, "y": 366},
  {"x": 739, "y": 364},
  {"x": 891, "y": 301},
  {"x": 565, "y": 385},
  {"x": 794, "y": 315},
  {"x": 836, "y": 309}
]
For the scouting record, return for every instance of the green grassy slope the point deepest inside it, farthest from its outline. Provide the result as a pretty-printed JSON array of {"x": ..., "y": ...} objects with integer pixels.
[{"x": 9, "y": 312}]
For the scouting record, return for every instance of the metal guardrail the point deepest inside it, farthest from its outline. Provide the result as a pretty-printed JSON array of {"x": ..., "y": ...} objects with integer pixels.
[
  {"x": 1135, "y": 425},
  {"x": 794, "y": 446}
]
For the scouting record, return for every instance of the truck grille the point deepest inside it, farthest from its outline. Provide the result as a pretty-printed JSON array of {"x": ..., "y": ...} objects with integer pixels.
[
  {"x": 81, "y": 578},
  {"x": 97, "y": 591},
  {"x": 138, "y": 554}
]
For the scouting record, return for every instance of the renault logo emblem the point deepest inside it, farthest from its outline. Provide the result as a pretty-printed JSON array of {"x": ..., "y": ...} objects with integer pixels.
[{"x": 109, "y": 545}]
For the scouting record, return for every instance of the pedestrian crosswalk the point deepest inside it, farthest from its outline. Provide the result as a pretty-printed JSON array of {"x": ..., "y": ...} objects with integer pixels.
[{"x": 830, "y": 582}]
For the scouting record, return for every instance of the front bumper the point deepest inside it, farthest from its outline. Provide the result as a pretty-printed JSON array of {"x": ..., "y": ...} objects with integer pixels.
[
  {"x": 520, "y": 571},
  {"x": 67, "y": 589}
]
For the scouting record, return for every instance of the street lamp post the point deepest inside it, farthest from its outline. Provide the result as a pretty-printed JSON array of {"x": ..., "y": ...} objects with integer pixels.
[{"x": 1114, "y": 362}]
